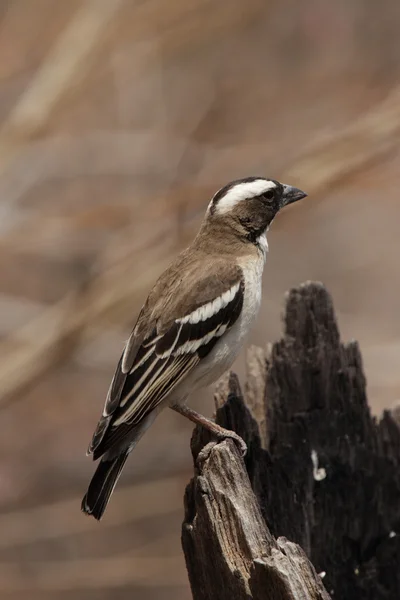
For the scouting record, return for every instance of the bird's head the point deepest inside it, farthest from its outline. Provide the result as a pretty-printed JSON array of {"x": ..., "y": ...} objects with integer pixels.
[{"x": 249, "y": 205}]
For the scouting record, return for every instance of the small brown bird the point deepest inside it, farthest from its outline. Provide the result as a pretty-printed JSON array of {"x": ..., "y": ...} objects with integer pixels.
[{"x": 191, "y": 327}]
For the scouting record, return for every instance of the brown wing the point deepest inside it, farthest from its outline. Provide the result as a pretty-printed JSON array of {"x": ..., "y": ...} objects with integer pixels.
[{"x": 184, "y": 327}]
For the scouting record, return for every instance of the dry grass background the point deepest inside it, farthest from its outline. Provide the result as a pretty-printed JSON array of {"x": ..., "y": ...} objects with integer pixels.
[{"x": 119, "y": 119}]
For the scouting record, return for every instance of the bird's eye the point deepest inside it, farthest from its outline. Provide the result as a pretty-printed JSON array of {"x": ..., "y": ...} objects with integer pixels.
[{"x": 269, "y": 195}]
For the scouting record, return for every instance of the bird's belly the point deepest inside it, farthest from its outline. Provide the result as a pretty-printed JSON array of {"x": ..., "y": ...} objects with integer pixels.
[
  {"x": 221, "y": 357},
  {"x": 228, "y": 347}
]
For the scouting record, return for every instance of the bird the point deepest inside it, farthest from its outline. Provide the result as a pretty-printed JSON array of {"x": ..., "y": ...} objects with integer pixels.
[{"x": 191, "y": 327}]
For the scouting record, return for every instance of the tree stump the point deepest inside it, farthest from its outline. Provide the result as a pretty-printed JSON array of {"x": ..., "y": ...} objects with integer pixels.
[{"x": 320, "y": 484}]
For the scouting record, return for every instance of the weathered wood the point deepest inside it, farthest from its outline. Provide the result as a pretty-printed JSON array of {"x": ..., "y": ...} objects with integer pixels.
[
  {"x": 229, "y": 550},
  {"x": 325, "y": 474}
]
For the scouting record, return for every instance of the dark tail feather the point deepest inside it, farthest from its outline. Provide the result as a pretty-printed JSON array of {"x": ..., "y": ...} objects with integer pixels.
[{"x": 102, "y": 485}]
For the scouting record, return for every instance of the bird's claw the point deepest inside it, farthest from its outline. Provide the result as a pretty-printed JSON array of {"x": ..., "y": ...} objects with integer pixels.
[
  {"x": 240, "y": 443},
  {"x": 204, "y": 454}
]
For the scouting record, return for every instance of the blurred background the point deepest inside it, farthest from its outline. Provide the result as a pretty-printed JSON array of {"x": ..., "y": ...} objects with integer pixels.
[{"x": 119, "y": 120}]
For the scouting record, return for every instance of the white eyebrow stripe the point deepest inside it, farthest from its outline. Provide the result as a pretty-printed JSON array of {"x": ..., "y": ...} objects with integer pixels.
[
  {"x": 211, "y": 308},
  {"x": 242, "y": 191}
]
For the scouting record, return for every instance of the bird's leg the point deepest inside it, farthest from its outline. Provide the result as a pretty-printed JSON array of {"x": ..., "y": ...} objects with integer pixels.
[{"x": 220, "y": 432}]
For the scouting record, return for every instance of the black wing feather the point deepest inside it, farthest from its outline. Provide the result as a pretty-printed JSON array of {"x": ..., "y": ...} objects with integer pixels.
[{"x": 160, "y": 363}]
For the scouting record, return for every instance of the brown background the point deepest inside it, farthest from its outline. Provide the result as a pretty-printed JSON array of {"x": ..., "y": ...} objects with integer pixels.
[{"x": 119, "y": 120}]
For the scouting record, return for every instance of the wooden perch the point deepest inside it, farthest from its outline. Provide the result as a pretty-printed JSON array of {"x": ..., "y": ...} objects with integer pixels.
[
  {"x": 230, "y": 552},
  {"x": 320, "y": 472}
]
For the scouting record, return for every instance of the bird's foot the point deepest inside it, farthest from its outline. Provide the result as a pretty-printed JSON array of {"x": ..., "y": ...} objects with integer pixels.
[
  {"x": 231, "y": 435},
  {"x": 220, "y": 432},
  {"x": 204, "y": 453},
  {"x": 225, "y": 434}
]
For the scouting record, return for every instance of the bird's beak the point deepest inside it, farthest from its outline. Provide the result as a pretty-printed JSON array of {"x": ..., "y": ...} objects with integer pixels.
[{"x": 291, "y": 194}]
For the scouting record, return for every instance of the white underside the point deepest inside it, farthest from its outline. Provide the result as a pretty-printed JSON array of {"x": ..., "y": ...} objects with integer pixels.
[{"x": 227, "y": 348}]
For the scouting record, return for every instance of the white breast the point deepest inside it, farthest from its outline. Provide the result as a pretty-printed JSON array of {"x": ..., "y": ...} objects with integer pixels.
[
  {"x": 252, "y": 271},
  {"x": 226, "y": 350}
]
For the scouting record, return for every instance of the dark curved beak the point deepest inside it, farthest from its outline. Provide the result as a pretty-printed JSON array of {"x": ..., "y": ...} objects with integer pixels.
[{"x": 291, "y": 194}]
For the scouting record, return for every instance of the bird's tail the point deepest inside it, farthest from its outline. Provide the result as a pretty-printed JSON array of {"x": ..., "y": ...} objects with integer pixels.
[{"x": 102, "y": 485}]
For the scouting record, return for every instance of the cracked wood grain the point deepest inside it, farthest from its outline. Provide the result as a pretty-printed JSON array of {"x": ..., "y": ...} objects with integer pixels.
[{"x": 320, "y": 484}]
